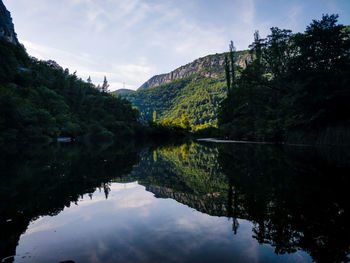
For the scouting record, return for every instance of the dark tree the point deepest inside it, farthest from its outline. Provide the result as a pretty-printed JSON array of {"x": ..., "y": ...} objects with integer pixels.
[{"x": 105, "y": 85}]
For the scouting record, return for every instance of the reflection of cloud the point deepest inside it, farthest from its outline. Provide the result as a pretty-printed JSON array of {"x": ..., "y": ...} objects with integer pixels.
[
  {"x": 46, "y": 224},
  {"x": 116, "y": 230},
  {"x": 135, "y": 203}
]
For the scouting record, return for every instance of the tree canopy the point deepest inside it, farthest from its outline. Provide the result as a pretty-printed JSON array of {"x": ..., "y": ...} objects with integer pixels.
[{"x": 296, "y": 87}]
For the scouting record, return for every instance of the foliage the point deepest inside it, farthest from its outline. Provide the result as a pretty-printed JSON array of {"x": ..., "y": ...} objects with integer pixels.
[
  {"x": 297, "y": 83},
  {"x": 38, "y": 99},
  {"x": 288, "y": 195},
  {"x": 196, "y": 96}
]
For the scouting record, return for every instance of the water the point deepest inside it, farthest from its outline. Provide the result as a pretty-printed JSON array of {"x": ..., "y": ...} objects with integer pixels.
[{"x": 186, "y": 203}]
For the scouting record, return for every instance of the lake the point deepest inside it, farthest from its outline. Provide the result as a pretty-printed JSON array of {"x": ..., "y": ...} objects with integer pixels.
[{"x": 191, "y": 202}]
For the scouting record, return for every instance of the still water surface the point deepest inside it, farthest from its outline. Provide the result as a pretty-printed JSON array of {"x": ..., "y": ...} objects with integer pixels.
[{"x": 185, "y": 203}]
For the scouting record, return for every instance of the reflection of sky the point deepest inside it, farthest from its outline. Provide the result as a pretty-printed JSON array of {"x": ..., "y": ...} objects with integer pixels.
[{"x": 134, "y": 226}]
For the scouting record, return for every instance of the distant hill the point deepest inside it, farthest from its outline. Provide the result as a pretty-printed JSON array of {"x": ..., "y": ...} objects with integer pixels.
[
  {"x": 122, "y": 90},
  {"x": 196, "y": 89},
  {"x": 211, "y": 66}
]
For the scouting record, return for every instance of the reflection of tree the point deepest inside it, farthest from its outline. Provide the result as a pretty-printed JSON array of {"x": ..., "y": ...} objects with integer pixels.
[
  {"x": 295, "y": 198},
  {"x": 37, "y": 182},
  {"x": 288, "y": 194},
  {"x": 106, "y": 189},
  {"x": 232, "y": 206}
]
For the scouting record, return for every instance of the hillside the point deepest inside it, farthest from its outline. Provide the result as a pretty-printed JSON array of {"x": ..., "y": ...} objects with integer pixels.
[
  {"x": 211, "y": 66},
  {"x": 40, "y": 100},
  {"x": 195, "y": 89},
  {"x": 195, "y": 95}
]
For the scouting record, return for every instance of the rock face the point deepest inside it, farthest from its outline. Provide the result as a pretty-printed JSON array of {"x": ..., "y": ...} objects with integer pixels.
[
  {"x": 212, "y": 66},
  {"x": 7, "y": 29},
  {"x": 212, "y": 204}
]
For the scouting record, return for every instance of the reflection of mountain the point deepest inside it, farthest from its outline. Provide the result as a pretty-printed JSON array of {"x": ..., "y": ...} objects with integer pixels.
[
  {"x": 211, "y": 203},
  {"x": 296, "y": 197},
  {"x": 187, "y": 168},
  {"x": 44, "y": 182}
]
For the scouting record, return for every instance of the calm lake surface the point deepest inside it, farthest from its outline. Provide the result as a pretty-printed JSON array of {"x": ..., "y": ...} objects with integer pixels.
[{"x": 194, "y": 202}]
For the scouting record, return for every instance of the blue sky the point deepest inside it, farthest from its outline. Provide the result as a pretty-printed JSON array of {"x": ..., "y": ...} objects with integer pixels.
[{"x": 129, "y": 41}]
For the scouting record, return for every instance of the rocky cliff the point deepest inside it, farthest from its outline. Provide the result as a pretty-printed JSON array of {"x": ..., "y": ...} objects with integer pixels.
[
  {"x": 212, "y": 204},
  {"x": 7, "y": 29},
  {"x": 212, "y": 66}
]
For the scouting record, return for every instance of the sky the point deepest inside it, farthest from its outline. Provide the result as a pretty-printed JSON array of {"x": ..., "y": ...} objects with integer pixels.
[{"x": 129, "y": 41}]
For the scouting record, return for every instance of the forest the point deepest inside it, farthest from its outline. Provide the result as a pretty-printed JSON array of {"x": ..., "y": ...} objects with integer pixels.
[
  {"x": 293, "y": 87},
  {"x": 39, "y": 100},
  {"x": 296, "y": 88},
  {"x": 196, "y": 96}
]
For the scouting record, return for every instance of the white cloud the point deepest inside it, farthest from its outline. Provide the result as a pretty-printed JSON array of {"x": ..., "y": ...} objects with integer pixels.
[
  {"x": 293, "y": 17},
  {"x": 247, "y": 12},
  {"x": 118, "y": 75}
]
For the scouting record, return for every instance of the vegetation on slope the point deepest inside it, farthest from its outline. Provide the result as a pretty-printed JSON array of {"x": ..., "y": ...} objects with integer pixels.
[
  {"x": 195, "y": 96},
  {"x": 38, "y": 99}
]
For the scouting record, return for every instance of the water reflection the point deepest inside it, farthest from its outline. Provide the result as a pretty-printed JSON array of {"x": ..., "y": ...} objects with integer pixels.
[
  {"x": 191, "y": 203},
  {"x": 134, "y": 226},
  {"x": 43, "y": 181}
]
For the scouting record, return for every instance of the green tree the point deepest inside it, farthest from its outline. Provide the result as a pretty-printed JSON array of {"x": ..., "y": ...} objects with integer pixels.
[
  {"x": 185, "y": 122},
  {"x": 154, "y": 116}
]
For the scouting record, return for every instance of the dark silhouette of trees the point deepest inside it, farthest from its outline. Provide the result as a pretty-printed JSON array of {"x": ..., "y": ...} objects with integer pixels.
[
  {"x": 48, "y": 102},
  {"x": 295, "y": 88}
]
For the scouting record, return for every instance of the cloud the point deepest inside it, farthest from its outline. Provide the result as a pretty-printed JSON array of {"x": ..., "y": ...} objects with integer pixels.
[
  {"x": 118, "y": 75},
  {"x": 45, "y": 52},
  {"x": 293, "y": 16},
  {"x": 130, "y": 41},
  {"x": 248, "y": 12}
]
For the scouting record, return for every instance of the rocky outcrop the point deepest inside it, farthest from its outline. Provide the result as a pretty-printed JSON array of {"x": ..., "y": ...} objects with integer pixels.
[
  {"x": 212, "y": 66},
  {"x": 7, "y": 29},
  {"x": 212, "y": 203}
]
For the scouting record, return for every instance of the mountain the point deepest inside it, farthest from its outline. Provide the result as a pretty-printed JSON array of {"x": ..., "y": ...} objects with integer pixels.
[
  {"x": 195, "y": 89},
  {"x": 122, "y": 90},
  {"x": 211, "y": 66},
  {"x": 7, "y": 29}
]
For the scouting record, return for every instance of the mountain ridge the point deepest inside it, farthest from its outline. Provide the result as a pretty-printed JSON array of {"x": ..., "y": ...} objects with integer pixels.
[
  {"x": 196, "y": 89},
  {"x": 210, "y": 66}
]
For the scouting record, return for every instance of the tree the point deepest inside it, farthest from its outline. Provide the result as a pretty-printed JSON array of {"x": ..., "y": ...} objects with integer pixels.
[
  {"x": 89, "y": 80},
  {"x": 278, "y": 51},
  {"x": 185, "y": 122},
  {"x": 230, "y": 68},
  {"x": 105, "y": 85},
  {"x": 321, "y": 69},
  {"x": 257, "y": 46},
  {"x": 154, "y": 116}
]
